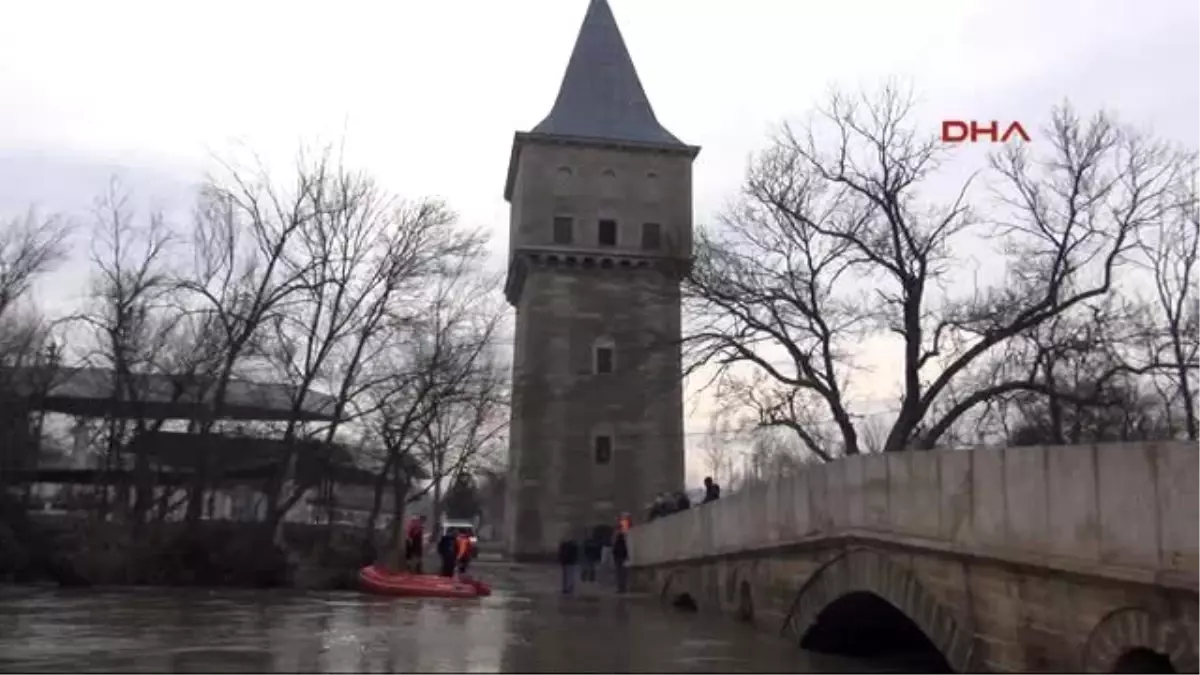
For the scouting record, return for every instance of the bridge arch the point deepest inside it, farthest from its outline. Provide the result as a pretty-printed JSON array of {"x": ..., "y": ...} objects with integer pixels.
[
  {"x": 680, "y": 590},
  {"x": 873, "y": 582},
  {"x": 739, "y": 597},
  {"x": 1133, "y": 640}
]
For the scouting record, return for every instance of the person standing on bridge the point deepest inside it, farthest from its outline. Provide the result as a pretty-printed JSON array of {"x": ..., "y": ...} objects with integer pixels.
[
  {"x": 663, "y": 506},
  {"x": 682, "y": 502},
  {"x": 620, "y": 554},
  {"x": 568, "y": 559},
  {"x": 593, "y": 551}
]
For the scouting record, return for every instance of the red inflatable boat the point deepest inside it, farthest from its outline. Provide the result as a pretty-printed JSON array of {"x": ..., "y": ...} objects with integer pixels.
[{"x": 382, "y": 582}]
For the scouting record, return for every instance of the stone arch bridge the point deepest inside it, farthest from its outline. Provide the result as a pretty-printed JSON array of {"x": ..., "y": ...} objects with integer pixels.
[{"x": 1061, "y": 559}]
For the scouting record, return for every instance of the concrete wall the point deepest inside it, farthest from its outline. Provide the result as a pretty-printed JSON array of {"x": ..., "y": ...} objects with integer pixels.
[
  {"x": 1128, "y": 511},
  {"x": 1022, "y": 560}
]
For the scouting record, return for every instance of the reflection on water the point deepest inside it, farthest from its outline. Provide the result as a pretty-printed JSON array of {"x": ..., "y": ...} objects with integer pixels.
[{"x": 143, "y": 630}]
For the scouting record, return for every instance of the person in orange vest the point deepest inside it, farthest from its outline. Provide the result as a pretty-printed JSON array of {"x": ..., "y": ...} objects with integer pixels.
[
  {"x": 624, "y": 523},
  {"x": 463, "y": 550}
]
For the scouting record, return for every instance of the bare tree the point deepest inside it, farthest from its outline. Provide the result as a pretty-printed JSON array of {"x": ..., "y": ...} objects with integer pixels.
[
  {"x": 719, "y": 453},
  {"x": 873, "y": 430},
  {"x": 465, "y": 420},
  {"x": 467, "y": 426},
  {"x": 492, "y": 478},
  {"x": 834, "y": 240},
  {"x": 434, "y": 371},
  {"x": 30, "y": 247},
  {"x": 1169, "y": 343},
  {"x": 129, "y": 317},
  {"x": 360, "y": 258},
  {"x": 246, "y": 226}
]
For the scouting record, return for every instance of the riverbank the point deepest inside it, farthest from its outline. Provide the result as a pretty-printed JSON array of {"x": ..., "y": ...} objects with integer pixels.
[
  {"x": 218, "y": 554},
  {"x": 228, "y": 554}
]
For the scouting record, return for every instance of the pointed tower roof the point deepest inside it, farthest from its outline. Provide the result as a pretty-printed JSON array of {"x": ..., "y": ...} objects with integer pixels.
[
  {"x": 601, "y": 100},
  {"x": 601, "y": 95}
]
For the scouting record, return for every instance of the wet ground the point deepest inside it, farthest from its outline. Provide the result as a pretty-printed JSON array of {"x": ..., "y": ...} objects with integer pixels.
[{"x": 524, "y": 626}]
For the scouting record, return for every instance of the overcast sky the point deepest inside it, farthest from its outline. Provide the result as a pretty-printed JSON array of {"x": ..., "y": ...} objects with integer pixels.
[{"x": 428, "y": 94}]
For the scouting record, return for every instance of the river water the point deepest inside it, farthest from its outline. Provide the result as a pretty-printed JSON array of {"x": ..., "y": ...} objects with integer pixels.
[{"x": 523, "y": 626}]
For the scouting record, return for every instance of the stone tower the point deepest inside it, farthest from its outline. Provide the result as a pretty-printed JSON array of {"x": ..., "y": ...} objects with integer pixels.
[{"x": 601, "y": 229}]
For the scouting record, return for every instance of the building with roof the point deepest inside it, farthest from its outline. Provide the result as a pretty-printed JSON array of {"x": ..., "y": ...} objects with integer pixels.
[
  {"x": 600, "y": 234},
  {"x": 236, "y": 466}
]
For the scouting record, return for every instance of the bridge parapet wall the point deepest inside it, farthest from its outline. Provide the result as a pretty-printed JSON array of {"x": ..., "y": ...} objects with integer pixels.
[{"x": 1123, "y": 510}]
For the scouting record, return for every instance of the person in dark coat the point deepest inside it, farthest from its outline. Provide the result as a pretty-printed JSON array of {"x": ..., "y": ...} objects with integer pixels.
[
  {"x": 414, "y": 545},
  {"x": 620, "y": 553},
  {"x": 568, "y": 558},
  {"x": 712, "y": 491},
  {"x": 446, "y": 552},
  {"x": 682, "y": 502},
  {"x": 593, "y": 551},
  {"x": 663, "y": 506}
]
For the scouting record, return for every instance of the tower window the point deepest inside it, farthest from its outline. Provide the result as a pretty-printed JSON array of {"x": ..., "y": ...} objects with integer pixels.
[
  {"x": 603, "y": 449},
  {"x": 608, "y": 184},
  {"x": 652, "y": 187},
  {"x": 604, "y": 360},
  {"x": 604, "y": 354},
  {"x": 562, "y": 180},
  {"x": 563, "y": 230},
  {"x": 651, "y": 236},
  {"x": 607, "y": 235}
]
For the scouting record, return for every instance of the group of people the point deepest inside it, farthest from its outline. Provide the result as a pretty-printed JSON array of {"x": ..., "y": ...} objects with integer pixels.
[
  {"x": 584, "y": 559},
  {"x": 665, "y": 503},
  {"x": 455, "y": 550},
  {"x": 578, "y": 558}
]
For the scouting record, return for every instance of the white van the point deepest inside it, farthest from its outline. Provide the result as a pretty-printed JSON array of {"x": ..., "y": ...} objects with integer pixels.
[{"x": 456, "y": 526}]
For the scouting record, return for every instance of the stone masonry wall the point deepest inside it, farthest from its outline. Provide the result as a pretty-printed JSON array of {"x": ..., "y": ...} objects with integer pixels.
[
  {"x": 569, "y": 298},
  {"x": 564, "y": 405},
  {"x": 1020, "y": 559}
]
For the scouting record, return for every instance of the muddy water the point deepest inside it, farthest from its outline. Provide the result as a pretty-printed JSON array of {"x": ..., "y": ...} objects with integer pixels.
[{"x": 522, "y": 627}]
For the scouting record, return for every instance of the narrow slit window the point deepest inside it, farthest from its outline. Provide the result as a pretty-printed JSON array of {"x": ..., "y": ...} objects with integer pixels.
[
  {"x": 603, "y": 449},
  {"x": 604, "y": 360},
  {"x": 607, "y": 235},
  {"x": 564, "y": 230},
  {"x": 651, "y": 236}
]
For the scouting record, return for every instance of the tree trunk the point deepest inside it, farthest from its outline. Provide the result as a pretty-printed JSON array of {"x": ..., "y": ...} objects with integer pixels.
[
  {"x": 435, "y": 515},
  {"x": 195, "y": 504},
  {"x": 143, "y": 489},
  {"x": 399, "y": 494},
  {"x": 381, "y": 485}
]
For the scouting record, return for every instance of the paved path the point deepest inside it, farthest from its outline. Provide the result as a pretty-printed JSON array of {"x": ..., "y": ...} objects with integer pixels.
[{"x": 545, "y": 579}]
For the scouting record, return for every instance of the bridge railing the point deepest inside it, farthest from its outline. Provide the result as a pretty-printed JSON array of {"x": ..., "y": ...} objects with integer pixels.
[{"x": 1124, "y": 509}]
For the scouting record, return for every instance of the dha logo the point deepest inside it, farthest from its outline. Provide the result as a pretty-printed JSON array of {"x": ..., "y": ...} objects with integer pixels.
[{"x": 960, "y": 131}]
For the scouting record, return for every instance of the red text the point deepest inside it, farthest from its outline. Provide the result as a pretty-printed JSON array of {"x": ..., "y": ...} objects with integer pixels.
[{"x": 959, "y": 131}]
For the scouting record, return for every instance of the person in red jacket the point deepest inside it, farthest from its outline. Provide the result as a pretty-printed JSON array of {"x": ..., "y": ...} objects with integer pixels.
[{"x": 414, "y": 544}]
